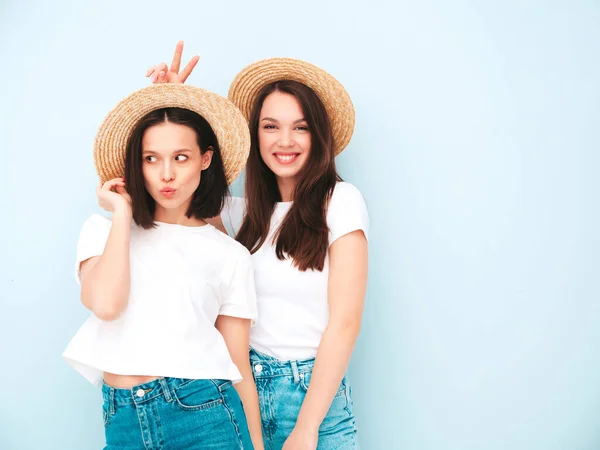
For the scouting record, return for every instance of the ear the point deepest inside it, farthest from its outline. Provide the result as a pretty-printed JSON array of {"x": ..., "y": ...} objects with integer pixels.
[{"x": 207, "y": 157}]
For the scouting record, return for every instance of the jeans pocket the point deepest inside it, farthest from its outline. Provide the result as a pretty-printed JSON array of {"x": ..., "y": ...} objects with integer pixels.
[
  {"x": 198, "y": 395},
  {"x": 305, "y": 382}
]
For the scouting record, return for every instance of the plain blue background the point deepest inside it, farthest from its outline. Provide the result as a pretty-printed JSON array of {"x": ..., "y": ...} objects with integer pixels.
[{"x": 476, "y": 147}]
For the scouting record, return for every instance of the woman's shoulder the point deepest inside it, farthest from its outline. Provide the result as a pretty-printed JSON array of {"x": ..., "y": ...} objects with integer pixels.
[
  {"x": 228, "y": 244},
  {"x": 347, "y": 194},
  {"x": 232, "y": 214},
  {"x": 99, "y": 220},
  {"x": 95, "y": 224},
  {"x": 347, "y": 211},
  {"x": 235, "y": 202}
]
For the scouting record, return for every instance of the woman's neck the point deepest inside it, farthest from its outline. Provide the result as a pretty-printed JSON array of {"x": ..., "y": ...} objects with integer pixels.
[
  {"x": 176, "y": 216},
  {"x": 286, "y": 188}
]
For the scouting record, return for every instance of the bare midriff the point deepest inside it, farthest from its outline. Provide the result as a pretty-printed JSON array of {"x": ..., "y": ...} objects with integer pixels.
[{"x": 126, "y": 381}]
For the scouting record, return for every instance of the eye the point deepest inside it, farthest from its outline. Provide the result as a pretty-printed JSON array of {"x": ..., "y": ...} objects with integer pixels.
[
  {"x": 270, "y": 127},
  {"x": 181, "y": 158},
  {"x": 150, "y": 158},
  {"x": 302, "y": 128}
]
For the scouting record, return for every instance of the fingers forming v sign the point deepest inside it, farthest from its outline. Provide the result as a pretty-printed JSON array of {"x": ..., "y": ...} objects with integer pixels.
[{"x": 160, "y": 73}]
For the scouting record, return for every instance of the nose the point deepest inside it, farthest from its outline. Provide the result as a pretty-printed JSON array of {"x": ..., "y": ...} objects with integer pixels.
[
  {"x": 285, "y": 139},
  {"x": 167, "y": 172}
]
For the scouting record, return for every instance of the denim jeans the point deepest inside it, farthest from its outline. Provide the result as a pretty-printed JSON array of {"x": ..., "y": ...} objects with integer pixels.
[
  {"x": 282, "y": 386},
  {"x": 175, "y": 414}
]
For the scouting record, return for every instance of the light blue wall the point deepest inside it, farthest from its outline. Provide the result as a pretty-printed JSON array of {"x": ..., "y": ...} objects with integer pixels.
[{"x": 476, "y": 147}]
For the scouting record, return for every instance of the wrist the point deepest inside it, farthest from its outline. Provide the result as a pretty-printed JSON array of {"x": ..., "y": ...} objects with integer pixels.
[
  {"x": 307, "y": 425},
  {"x": 123, "y": 211}
]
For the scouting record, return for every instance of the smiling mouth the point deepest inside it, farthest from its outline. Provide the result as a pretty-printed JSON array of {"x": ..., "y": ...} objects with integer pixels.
[{"x": 286, "y": 158}]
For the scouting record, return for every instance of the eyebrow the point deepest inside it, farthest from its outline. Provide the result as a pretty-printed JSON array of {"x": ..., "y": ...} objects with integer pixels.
[
  {"x": 277, "y": 121},
  {"x": 180, "y": 150}
]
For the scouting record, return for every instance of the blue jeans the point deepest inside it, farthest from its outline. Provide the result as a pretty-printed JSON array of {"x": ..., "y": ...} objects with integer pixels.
[
  {"x": 174, "y": 414},
  {"x": 282, "y": 386}
]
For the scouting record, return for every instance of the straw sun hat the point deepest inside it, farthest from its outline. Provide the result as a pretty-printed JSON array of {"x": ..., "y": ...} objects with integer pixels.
[
  {"x": 225, "y": 119},
  {"x": 248, "y": 83}
]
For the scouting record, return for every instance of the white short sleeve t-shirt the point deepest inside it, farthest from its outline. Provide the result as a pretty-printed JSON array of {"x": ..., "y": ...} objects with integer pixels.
[
  {"x": 182, "y": 278},
  {"x": 293, "y": 305}
]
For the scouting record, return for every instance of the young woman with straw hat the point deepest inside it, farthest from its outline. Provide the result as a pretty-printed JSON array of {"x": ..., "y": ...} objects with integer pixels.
[
  {"x": 307, "y": 232},
  {"x": 172, "y": 297}
]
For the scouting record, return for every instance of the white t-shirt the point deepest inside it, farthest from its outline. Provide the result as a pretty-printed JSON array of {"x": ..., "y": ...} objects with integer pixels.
[
  {"x": 182, "y": 278},
  {"x": 293, "y": 305}
]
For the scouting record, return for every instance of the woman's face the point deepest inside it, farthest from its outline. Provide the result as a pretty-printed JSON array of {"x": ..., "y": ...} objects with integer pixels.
[
  {"x": 172, "y": 165},
  {"x": 283, "y": 136}
]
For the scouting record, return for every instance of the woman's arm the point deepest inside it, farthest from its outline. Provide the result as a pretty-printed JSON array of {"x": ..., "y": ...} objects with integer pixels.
[
  {"x": 105, "y": 279},
  {"x": 348, "y": 267},
  {"x": 236, "y": 332}
]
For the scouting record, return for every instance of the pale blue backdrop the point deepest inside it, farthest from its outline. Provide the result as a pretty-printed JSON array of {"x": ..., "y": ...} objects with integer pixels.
[{"x": 476, "y": 147}]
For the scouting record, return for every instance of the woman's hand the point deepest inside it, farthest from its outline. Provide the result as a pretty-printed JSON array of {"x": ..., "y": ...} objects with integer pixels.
[
  {"x": 113, "y": 197},
  {"x": 301, "y": 440},
  {"x": 163, "y": 74}
]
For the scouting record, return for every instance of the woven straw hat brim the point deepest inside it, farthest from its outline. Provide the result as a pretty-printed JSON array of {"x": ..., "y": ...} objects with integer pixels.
[
  {"x": 248, "y": 83},
  {"x": 228, "y": 124}
]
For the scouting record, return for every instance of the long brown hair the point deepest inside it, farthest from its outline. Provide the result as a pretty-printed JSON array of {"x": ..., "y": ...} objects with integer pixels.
[
  {"x": 209, "y": 197},
  {"x": 303, "y": 235}
]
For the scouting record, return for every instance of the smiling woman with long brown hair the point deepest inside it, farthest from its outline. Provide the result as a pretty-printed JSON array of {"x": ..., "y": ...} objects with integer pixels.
[{"x": 307, "y": 231}]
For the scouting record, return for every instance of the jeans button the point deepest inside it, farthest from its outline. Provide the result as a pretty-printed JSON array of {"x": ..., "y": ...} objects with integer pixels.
[
  {"x": 140, "y": 393},
  {"x": 258, "y": 368}
]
